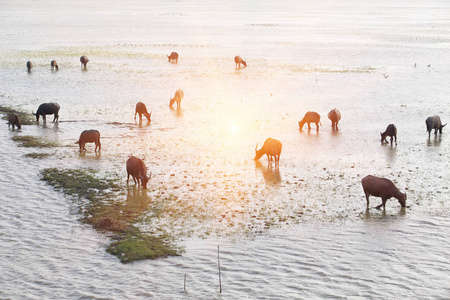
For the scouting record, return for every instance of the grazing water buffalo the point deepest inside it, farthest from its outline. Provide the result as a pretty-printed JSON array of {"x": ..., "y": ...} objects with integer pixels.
[
  {"x": 141, "y": 109},
  {"x": 391, "y": 131},
  {"x": 47, "y": 109},
  {"x": 434, "y": 123},
  {"x": 272, "y": 148},
  {"x": 84, "y": 60},
  {"x": 54, "y": 65},
  {"x": 238, "y": 60},
  {"x": 137, "y": 169},
  {"x": 310, "y": 117},
  {"x": 29, "y": 65},
  {"x": 13, "y": 120},
  {"x": 335, "y": 116},
  {"x": 173, "y": 57},
  {"x": 89, "y": 136},
  {"x": 179, "y": 95},
  {"x": 382, "y": 187}
]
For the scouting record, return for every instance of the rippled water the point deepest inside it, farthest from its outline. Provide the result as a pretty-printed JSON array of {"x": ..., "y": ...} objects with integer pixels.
[{"x": 300, "y": 231}]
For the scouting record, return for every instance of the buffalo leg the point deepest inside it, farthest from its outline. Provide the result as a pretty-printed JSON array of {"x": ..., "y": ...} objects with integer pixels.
[{"x": 367, "y": 198}]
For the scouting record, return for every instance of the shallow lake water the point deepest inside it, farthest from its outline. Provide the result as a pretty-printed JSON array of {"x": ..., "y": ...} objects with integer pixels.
[{"x": 297, "y": 231}]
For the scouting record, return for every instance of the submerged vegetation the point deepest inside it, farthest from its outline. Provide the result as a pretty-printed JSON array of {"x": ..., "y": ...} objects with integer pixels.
[
  {"x": 38, "y": 155},
  {"x": 25, "y": 118},
  {"x": 104, "y": 206},
  {"x": 32, "y": 141}
]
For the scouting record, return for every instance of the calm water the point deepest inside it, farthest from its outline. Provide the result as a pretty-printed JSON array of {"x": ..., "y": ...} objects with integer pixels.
[{"x": 301, "y": 231}]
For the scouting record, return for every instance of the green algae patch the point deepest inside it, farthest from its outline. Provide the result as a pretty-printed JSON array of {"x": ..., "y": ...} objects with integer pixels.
[
  {"x": 83, "y": 183},
  {"x": 38, "y": 155},
  {"x": 32, "y": 141},
  {"x": 105, "y": 206},
  {"x": 133, "y": 247},
  {"x": 25, "y": 118}
]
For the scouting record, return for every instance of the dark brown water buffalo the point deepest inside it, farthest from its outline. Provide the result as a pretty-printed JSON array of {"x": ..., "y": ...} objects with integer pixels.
[
  {"x": 89, "y": 136},
  {"x": 84, "y": 60},
  {"x": 54, "y": 65},
  {"x": 13, "y": 120},
  {"x": 141, "y": 109},
  {"x": 173, "y": 57},
  {"x": 47, "y": 109},
  {"x": 335, "y": 116},
  {"x": 391, "y": 131},
  {"x": 382, "y": 187},
  {"x": 137, "y": 169},
  {"x": 179, "y": 95},
  {"x": 310, "y": 117},
  {"x": 271, "y": 148},
  {"x": 238, "y": 60},
  {"x": 435, "y": 123},
  {"x": 29, "y": 65}
]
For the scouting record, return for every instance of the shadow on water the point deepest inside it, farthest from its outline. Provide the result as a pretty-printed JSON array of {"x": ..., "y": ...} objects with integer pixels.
[
  {"x": 97, "y": 155},
  {"x": 141, "y": 125},
  {"x": 391, "y": 151},
  {"x": 382, "y": 215},
  {"x": 435, "y": 142},
  {"x": 178, "y": 111},
  {"x": 271, "y": 173}
]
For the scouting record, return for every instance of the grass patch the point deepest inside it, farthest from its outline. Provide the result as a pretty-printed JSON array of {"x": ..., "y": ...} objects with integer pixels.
[
  {"x": 32, "y": 141},
  {"x": 132, "y": 247},
  {"x": 38, "y": 155},
  {"x": 25, "y": 118},
  {"x": 107, "y": 209}
]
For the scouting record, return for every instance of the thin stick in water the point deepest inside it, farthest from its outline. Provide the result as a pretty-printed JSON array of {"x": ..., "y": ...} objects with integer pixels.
[
  {"x": 220, "y": 279},
  {"x": 185, "y": 282}
]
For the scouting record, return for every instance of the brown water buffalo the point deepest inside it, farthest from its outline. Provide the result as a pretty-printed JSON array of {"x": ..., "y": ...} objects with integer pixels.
[
  {"x": 382, "y": 187},
  {"x": 310, "y": 117},
  {"x": 173, "y": 57},
  {"x": 54, "y": 65},
  {"x": 141, "y": 109},
  {"x": 272, "y": 148},
  {"x": 179, "y": 95},
  {"x": 29, "y": 65},
  {"x": 84, "y": 60},
  {"x": 13, "y": 120},
  {"x": 47, "y": 109},
  {"x": 391, "y": 131},
  {"x": 238, "y": 60},
  {"x": 90, "y": 136},
  {"x": 137, "y": 169},
  {"x": 335, "y": 116},
  {"x": 435, "y": 123}
]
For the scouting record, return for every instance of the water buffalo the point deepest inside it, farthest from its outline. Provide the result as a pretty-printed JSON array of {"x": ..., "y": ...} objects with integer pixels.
[
  {"x": 173, "y": 57},
  {"x": 137, "y": 169},
  {"x": 335, "y": 116},
  {"x": 141, "y": 109},
  {"x": 89, "y": 136},
  {"x": 13, "y": 120},
  {"x": 310, "y": 117},
  {"x": 54, "y": 65},
  {"x": 47, "y": 109},
  {"x": 382, "y": 187},
  {"x": 391, "y": 131},
  {"x": 84, "y": 60},
  {"x": 179, "y": 95},
  {"x": 434, "y": 123},
  {"x": 272, "y": 148},
  {"x": 238, "y": 60},
  {"x": 29, "y": 65}
]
